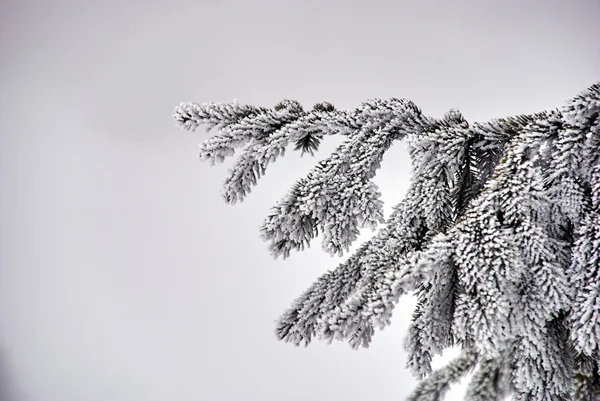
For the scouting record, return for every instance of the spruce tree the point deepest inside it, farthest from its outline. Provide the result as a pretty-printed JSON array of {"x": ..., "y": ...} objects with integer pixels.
[{"x": 498, "y": 235}]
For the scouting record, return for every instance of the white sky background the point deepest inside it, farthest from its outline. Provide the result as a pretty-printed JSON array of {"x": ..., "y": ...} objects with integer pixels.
[{"x": 123, "y": 275}]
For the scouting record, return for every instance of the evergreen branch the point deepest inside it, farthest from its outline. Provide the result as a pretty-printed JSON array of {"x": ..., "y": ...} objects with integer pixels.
[
  {"x": 492, "y": 379},
  {"x": 435, "y": 387},
  {"x": 499, "y": 234},
  {"x": 428, "y": 198},
  {"x": 343, "y": 180},
  {"x": 273, "y": 140},
  {"x": 254, "y": 129},
  {"x": 355, "y": 320},
  {"x": 431, "y": 329},
  {"x": 585, "y": 278},
  {"x": 300, "y": 323},
  {"x": 190, "y": 115}
]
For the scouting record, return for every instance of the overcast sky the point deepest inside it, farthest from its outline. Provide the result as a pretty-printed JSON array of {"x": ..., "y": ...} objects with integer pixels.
[{"x": 123, "y": 275}]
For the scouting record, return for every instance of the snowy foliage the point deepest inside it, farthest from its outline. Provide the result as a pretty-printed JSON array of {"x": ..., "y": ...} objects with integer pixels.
[{"x": 498, "y": 236}]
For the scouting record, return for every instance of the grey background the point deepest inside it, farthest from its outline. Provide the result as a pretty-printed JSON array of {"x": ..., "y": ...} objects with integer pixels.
[{"x": 123, "y": 275}]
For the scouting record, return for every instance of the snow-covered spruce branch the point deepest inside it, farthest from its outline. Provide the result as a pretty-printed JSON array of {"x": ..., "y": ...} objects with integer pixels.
[
  {"x": 370, "y": 307},
  {"x": 376, "y": 293},
  {"x": 499, "y": 234},
  {"x": 338, "y": 197},
  {"x": 300, "y": 322},
  {"x": 404, "y": 231},
  {"x": 249, "y": 130},
  {"x": 492, "y": 380},
  {"x": 435, "y": 387},
  {"x": 191, "y": 115},
  {"x": 422, "y": 215},
  {"x": 585, "y": 278}
]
